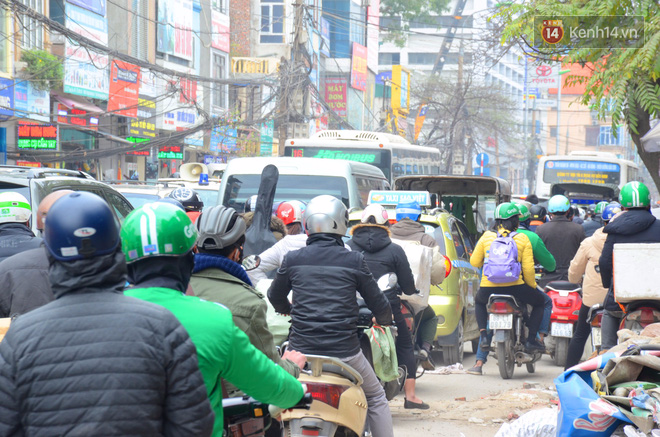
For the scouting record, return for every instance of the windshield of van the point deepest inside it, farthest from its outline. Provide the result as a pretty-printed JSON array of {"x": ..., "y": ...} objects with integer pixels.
[{"x": 289, "y": 187}]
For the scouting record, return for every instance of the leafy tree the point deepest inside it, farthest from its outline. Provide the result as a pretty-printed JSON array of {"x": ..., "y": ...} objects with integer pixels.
[
  {"x": 44, "y": 70},
  {"x": 420, "y": 11},
  {"x": 625, "y": 83}
]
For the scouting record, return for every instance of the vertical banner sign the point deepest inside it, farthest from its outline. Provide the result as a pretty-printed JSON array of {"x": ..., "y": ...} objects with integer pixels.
[
  {"x": 400, "y": 88},
  {"x": 220, "y": 26},
  {"x": 325, "y": 37},
  {"x": 335, "y": 95},
  {"x": 373, "y": 24},
  {"x": 86, "y": 71},
  {"x": 175, "y": 18},
  {"x": 359, "y": 67},
  {"x": 267, "y": 132},
  {"x": 6, "y": 98},
  {"x": 419, "y": 121},
  {"x": 124, "y": 88},
  {"x": 145, "y": 125}
]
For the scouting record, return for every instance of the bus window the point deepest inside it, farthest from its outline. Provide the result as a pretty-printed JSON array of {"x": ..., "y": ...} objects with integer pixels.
[{"x": 365, "y": 185}]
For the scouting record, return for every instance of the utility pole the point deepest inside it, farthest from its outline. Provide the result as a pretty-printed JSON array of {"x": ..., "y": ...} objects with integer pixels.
[
  {"x": 526, "y": 99},
  {"x": 459, "y": 153},
  {"x": 531, "y": 155}
]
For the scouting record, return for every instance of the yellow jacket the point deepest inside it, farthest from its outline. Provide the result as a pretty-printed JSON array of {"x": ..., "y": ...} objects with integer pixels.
[{"x": 525, "y": 257}]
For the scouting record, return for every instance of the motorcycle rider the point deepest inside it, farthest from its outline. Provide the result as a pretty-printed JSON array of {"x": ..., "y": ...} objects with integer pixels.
[
  {"x": 593, "y": 292},
  {"x": 104, "y": 363},
  {"x": 408, "y": 228},
  {"x": 15, "y": 233},
  {"x": 190, "y": 201},
  {"x": 596, "y": 221},
  {"x": 523, "y": 288},
  {"x": 324, "y": 277},
  {"x": 291, "y": 215},
  {"x": 219, "y": 277},
  {"x": 636, "y": 225},
  {"x": 372, "y": 238},
  {"x": 542, "y": 257},
  {"x": 538, "y": 217},
  {"x": 561, "y": 236},
  {"x": 160, "y": 273},
  {"x": 24, "y": 276}
]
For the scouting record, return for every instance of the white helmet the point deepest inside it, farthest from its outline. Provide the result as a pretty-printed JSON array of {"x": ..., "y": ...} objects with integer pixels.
[
  {"x": 14, "y": 208},
  {"x": 325, "y": 215},
  {"x": 376, "y": 211}
]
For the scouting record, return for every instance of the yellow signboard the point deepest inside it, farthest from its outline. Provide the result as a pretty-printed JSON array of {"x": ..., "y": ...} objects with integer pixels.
[{"x": 400, "y": 89}]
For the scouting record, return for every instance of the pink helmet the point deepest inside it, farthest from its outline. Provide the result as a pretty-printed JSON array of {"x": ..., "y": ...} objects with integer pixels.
[{"x": 291, "y": 211}]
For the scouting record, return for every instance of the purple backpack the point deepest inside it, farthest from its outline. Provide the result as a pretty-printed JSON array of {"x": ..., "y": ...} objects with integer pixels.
[{"x": 502, "y": 265}]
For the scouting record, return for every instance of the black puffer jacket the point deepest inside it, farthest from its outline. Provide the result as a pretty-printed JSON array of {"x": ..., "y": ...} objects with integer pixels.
[
  {"x": 324, "y": 277},
  {"x": 633, "y": 226},
  {"x": 383, "y": 257},
  {"x": 591, "y": 225},
  {"x": 96, "y": 362},
  {"x": 16, "y": 238},
  {"x": 562, "y": 238},
  {"x": 25, "y": 283}
]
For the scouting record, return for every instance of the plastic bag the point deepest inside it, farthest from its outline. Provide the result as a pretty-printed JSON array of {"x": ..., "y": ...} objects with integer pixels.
[
  {"x": 535, "y": 423},
  {"x": 383, "y": 352},
  {"x": 421, "y": 261}
]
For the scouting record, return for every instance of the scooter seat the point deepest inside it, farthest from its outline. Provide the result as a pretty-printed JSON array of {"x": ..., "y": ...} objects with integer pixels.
[
  {"x": 563, "y": 286},
  {"x": 336, "y": 370}
]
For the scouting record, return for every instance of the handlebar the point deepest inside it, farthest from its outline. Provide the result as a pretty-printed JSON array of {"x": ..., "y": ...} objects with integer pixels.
[
  {"x": 247, "y": 406},
  {"x": 304, "y": 404}
]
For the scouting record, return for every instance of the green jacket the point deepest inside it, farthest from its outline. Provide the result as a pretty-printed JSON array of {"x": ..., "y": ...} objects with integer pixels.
[
  {"x": 540, "y": 252},
  {"x": 224, "y": 351},
  {"x": 248, "y": 308}
]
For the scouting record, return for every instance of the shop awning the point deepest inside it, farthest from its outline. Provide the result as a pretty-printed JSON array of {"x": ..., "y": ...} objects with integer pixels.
[{"x": 76, "y": 103}]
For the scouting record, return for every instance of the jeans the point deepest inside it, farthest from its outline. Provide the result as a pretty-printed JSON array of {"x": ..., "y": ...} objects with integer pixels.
[
  {"x": 428, "y": 327},
  {"x": 378, "y": 414},
  {"x": 609, "y": 326},
  {"x": 547, "y": 312},
  {"x": 582, "y": 331},
  {"x": 405, "y": 350},
  {"x": 482, "y": 355}
]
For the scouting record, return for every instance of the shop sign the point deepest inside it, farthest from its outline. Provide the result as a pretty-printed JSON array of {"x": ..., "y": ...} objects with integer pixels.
[
  {"x": 145, "y": 125},
  {"x": 170, "y": 152},
  {"x": 124, "y": 88},
  {"x": 138, "y": 141},
  {"x": 76, "y": 117},
  {"x": 335, "y": 95},
  {"x": 37, "y": 136}
]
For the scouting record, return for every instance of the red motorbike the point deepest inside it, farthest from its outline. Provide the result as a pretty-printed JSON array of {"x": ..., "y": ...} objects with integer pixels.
[
  {"x": 640, "y": 314},
  {"x": 566, "y": 302}
]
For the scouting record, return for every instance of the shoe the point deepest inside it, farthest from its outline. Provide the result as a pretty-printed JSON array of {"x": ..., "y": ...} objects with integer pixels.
[
  {"x": 428, "y": 363},
  {"x": 484, "y": 344},
  {"x": 423, "y": 354},
  {"x": 412, "y": 405},
  {"x": 475, "y": 370},
  {"x": 535, "y": 346}
]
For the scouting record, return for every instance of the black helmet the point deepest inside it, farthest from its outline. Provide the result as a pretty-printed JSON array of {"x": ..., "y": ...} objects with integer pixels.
[
  {"x": 80, "y": 225},
  {"x": 538, "y": 212},
  {"x": 188, "y": 198},
  {"x": 171, "y": 201}
]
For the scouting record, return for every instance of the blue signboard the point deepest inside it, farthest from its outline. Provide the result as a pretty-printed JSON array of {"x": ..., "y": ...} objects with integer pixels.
[
  {"x": 6, "y": 97},
  {"x": 396, "y": 197},
  {"x": 96, "y": 6},
  {"x": 325, "y": 37},
  {"x": 223, "y": 139},
  {"x": 21, "y": 98},
  {"x": 382, "y": 77}
]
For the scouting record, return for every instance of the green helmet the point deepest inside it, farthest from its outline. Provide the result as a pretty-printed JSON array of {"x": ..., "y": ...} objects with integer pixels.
[
  {"x": 600, "y": 206},
  {"x": 157, "y": 229},
  {"x": 635, "y": 195},
  {"x": 524, "y": 212},
  {"x": 506, "y": 210}
]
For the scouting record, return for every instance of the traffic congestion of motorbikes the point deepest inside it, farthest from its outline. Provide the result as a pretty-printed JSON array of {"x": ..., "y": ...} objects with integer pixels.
[{"x": 171, "y": 322}]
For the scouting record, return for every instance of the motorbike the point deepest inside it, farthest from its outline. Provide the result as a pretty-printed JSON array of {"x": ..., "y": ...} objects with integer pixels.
[
  {"x": 365, "y": 323},
  {"x": 566, "y": 302},
  {"x": 338, "y": 407},
  {"x": 506, "y": 318},
  {"x": 639, "y": 314},
  {"x": 594, "y": 318},
  {"x": 245, "y": 416}
]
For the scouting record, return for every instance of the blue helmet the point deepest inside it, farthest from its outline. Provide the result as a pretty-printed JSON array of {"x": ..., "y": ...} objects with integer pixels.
[
  {"x": 80, "y": 225},
  {"x": 610, "y": 211},
  {"x": 410, "y": 210},
  {"x": 558, "y": 203}
]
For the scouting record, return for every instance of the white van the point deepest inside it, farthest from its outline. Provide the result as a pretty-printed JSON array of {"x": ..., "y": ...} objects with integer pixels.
[{"x": 302, "y": 179}]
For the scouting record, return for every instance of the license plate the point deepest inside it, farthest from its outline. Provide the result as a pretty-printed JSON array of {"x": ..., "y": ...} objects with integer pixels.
[
  {"x": 595, "y": 337},
  {"x": 561, "y": 329},
  {"x": 500, "y": 321}
]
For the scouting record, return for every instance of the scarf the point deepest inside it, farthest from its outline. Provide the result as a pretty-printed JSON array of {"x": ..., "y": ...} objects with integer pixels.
[{"x": 205, "y": 261}]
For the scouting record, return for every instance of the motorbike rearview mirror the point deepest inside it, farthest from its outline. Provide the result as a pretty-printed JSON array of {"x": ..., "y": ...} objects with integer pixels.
[
  {"x": 387, "y": 281},
  {"x": 251, "y": 262}
]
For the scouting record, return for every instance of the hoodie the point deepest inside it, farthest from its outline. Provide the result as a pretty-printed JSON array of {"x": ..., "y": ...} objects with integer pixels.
[
  {"x": 383, "y": 257},
  {"x": 633, "y": 226},
  {"x": 410, "y": 230}
]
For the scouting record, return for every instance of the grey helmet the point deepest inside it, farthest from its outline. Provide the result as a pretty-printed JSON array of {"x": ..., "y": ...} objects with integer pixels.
[
  {"x": 325, "y": 215},
  {"x": 216, "y": 230}
]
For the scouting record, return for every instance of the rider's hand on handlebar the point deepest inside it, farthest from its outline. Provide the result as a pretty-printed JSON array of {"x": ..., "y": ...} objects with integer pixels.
[{"x": 298, "y": 358}]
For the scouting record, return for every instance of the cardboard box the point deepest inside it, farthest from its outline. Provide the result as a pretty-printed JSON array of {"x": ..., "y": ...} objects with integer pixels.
[{"x": 636, "y": 272}]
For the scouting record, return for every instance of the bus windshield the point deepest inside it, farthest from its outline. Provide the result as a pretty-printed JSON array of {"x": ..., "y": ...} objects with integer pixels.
[
  {"x": 380, "y": 158},
  {"x": 289, "y": 187},
  {"x": 581, "y": 172}
]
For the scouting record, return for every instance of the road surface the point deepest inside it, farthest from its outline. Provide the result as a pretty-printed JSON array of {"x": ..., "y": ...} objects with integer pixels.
[{"x": 489, "y": 400}]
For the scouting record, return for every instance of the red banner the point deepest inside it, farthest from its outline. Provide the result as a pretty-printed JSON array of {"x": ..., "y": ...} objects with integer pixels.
[
  {"x": 359, "y": 67},
  {"x": 335, "y": 95},
  {"x": 221, "y": 31},
  {"x": 124, "y": 89}
]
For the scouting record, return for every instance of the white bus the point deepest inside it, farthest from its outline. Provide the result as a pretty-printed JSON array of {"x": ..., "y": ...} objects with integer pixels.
[
  {"x": 584, "y": 177},
  {"x": 393, "y": 154}
]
